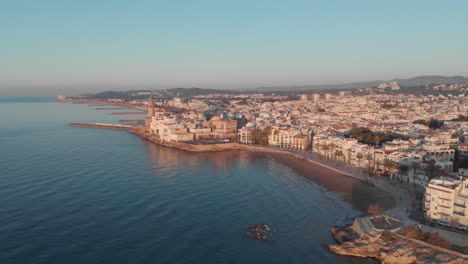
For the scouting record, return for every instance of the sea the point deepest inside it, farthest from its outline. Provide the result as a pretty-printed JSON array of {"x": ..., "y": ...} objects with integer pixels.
[{"x": 85, "y": 195}]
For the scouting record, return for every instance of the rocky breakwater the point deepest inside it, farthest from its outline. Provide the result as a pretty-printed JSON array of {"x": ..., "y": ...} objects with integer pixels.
[{"x": 390, "y": 248}]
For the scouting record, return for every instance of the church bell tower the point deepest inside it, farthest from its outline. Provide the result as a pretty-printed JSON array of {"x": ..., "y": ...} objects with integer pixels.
[{"x": 150, "y": 107}]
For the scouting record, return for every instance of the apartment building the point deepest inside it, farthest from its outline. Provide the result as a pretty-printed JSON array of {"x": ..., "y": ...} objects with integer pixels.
[{"x": 446, "y": 200}]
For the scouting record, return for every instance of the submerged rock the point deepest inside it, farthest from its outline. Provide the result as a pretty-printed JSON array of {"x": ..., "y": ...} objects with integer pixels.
[{"x": 259, "y": 232}]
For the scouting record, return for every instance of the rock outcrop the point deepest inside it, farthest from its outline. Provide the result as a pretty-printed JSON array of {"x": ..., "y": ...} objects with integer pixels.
[{"x": 397, "y": 251}]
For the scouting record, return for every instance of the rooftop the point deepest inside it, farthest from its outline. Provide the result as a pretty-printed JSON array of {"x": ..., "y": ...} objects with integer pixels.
[{"x": 445, "y": 182}]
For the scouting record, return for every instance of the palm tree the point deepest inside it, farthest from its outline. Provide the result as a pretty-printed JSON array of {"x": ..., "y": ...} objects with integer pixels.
[
  {"x": 317, "y": 147},
  {"x": 326, "y": 148},
  {"x": 339, "y": 154},
  {"x": 387, "y": 163},
  {"x": 359, "y": 157},
  {"x": 415, "y": 166},
  {"x": 311, "y": 144},
  {"x": 433, "y": 170},
  {"x": 404, "y": 169},
  {"x": 369, "y": 159},
  {"x": 392, "y": 167},
  {"x": 332, "y": 149},
  {"x": 378, "y": 163}
]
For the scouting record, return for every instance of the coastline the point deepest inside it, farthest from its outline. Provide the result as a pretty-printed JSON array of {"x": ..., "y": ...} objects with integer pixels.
[{"x": 357, "y": 191}]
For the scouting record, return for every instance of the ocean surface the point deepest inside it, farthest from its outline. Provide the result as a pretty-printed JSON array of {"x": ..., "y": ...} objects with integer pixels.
[{"x": 83, "y": 195}]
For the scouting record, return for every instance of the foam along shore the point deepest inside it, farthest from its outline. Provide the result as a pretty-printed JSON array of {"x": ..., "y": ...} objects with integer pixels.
[{"x": 355, "y": 190}]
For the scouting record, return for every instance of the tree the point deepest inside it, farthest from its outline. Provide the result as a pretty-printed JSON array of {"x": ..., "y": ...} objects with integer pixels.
[
  {"x": 387, "y": 164},
  {"x": 435, "y": 124},
  {"x": 311, "y": 143},
  {"x": 392, "y": 167},
  {"x": 404, "y": 169},
  {"x": 332, "y": 150},
  {"x": 366, "y": 136},
  {"x": 420, "y": 121},
  {"x": 339, "y": 154},
  {"x": 359, "y": 157},
  {"x": 433, "y": 170},
  {"x": 431, "y": 123},
  {"x": 260, "y": 136},
  {"x": 378, "y": 163},
  {"x": 369, "y": 159},
  {"x": 415, "y": 166},
  {"x": 326, "y": 148},
  {"x": 317, "y": 147},
  {"x": 436, "y": 240}
]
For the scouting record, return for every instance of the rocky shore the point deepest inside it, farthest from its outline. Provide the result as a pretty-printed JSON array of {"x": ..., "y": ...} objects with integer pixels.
[{"x": 391, "y": 249}]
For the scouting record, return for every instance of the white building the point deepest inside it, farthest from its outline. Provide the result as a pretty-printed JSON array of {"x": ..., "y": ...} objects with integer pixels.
[
  {"x": 394, "y": 86},
  {"x": 315, "y": 98},
  {"x": 382, "y": 86},
  {"x": 446, "y": 200},
  {"x": 282, "y": 138},
  {"x": 245, "y": 135},
  {"x": 170, "y": 130}
]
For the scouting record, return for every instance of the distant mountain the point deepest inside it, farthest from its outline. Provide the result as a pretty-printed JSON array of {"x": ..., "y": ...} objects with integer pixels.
[
  {"x": 416, "y": 81},
  {"x": 431, "y": 79},
  {"x": 139, "y": 94},
  {"x": 184, "y": 92}
]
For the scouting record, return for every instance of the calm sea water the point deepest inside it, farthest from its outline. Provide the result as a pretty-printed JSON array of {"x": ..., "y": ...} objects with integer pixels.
[{"x": 80, "y": 195}]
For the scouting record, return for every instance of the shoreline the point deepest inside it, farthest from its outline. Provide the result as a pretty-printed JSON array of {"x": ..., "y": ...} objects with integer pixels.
[{"x": 357, "y": 191}]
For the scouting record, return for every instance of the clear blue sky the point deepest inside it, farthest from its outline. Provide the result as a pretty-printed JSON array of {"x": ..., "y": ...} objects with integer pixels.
[{"x": 77, "y": 45}]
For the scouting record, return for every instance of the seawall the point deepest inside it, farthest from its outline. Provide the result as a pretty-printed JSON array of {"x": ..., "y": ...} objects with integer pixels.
[
  {"x": 101, "y": 125},
  {"x": 144, "y": 133}
]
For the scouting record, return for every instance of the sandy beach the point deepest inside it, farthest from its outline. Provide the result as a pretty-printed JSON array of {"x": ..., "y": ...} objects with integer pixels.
[{"x": 355, "y": 191}]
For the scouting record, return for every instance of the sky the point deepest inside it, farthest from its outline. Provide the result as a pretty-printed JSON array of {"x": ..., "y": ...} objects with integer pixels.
[{"x": 70, "y": 46}]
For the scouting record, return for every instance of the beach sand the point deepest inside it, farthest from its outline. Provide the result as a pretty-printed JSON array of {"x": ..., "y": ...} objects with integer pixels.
[
  {"x": 354, "y": 191},
  {"x": 358, "y": 193}
]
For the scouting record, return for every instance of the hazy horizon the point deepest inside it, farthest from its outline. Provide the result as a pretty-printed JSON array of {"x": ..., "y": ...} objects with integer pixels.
[{"x": 71, "y": 47}]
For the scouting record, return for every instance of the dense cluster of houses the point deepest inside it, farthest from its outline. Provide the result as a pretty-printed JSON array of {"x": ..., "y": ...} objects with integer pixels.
[{"x": 318, "y": 123}]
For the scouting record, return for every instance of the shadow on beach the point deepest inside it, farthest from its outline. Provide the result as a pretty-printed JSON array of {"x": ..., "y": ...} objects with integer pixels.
[{"x": 354, "y": 191}]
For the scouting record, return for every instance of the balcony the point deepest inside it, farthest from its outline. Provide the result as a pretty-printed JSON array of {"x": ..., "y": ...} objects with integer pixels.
[
  {"x": 445, "y": 199},
  {"x": 460, "y": 205},
  {"x": 426, "y": 208},
  {"x": 459, "y": 213},
  {"x": 444, "y": 206}
]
